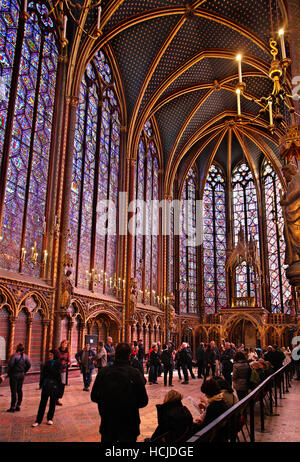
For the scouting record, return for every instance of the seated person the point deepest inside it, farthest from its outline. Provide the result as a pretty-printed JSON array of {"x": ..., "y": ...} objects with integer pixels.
[
  {"x": 229, "y": 395},
  {"x": 175, "y": 422},
  {"x": 213, "y": 405}
]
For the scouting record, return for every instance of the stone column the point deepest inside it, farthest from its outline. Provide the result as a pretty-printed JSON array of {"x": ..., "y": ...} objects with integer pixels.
[
  {"x": 70, "y": 336},
  {"x": 46, "y": 324},
  {"x": 12, "y": 320},
  {"x": 29, "y": 335}
]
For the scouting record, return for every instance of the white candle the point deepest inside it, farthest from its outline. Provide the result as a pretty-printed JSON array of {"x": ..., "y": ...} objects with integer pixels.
[
  {"x": 282, "y": 44},
  {"x": 239, "y": 60},
  {"x": 270, "y": 112},
  {"x": 65, "y": 26},
  {"x": 99, "y": 17},
  {"x": 238, "y": 94}
]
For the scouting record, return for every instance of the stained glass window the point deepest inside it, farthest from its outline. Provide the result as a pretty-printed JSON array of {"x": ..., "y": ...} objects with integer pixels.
[
  {"x": 214, "y": 241},
  {"x": 188, "y": 249},
  {"x": 279, "y": 287},
  {"x": 245, "y": 216},
  {"x": 29, "y": 152},
  {"x": 146, "y": 218},
  {"x": 95, "y": 179}
]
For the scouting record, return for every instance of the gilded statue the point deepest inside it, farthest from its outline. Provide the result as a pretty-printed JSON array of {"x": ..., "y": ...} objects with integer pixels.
[
  {"x": 67, "y": 289},
  {"x": 290, "y": 203}
]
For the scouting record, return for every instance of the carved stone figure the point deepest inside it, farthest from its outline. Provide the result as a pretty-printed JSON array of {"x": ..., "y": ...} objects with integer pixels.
[
  {"x": 171, "y": 312},
  {"x": 290, "y": 203},
  {"x": 67, "y": 290},
  {"x": 133, "y": 295}
]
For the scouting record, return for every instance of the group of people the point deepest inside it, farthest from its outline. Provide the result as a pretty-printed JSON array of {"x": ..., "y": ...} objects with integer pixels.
[{"x": 119, "y": 389}]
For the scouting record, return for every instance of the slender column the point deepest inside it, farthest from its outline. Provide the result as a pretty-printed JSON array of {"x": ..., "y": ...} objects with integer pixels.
[
  {"x": 81, "y": 336},
  {"x": 229, "y": 214},
  {"x": 29, "y": 336},
  {"x": 70, "y": 335},
  {"x": 46, "y": 324},
  {"x": 64, "y": 205},
  {"x": 12, "y": 320},
  {"x": 131, "y": 163}
]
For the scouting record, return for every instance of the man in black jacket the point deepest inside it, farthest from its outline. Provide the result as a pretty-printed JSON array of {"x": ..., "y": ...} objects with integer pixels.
[
  {"x": 200, "y": 359},
  {"x": 119, "y": 391},
  {"x": 227, "y": 362}
]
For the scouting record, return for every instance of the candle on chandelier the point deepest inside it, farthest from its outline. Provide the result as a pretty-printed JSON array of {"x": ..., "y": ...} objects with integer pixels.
[
  {"x": 270, "y": 112},
  {"x": 282, "y": 44},
  {"x": 239, "y": 60},
  {"x": 238, "y": 94},
  {"x": 99, "y": 17}
]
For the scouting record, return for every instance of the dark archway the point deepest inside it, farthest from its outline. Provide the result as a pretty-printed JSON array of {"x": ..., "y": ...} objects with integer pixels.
[{"x": 244, "y": 331}]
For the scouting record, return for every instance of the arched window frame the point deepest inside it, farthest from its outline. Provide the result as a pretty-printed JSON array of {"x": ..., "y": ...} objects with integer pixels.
[
  {"x": 97, "y": 141},
  {"x": 146, "y": 245},
  {"x": 275, "y": 244},
  {"x": 214, "y": 216},
  {"x": 242, "y": 178},
  {"x": 26, "y": 137},
  {"x": 188, "y": 259}
]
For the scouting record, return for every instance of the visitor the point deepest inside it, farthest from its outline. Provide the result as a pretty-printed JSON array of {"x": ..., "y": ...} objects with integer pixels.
[
  {"x": 252, "y": 355},
  {"x": 119, "y": 391},
  {"x": 101, "y": 356},
  {"x": 227, "y": 391},
  {"x": 175, "y": 422},
  {"x": 183, "y": 359},
  {"x": 63, "y": 356},
  {"x": 200, "y": 353},
  {"x": 134, "y": 362},
  {"x": 254, "y": 379},
  {"x": 154, "y": 361},
  {"x": 110, "y": 349},
  {"x": 50, "y": 383},
  {"x": 277, "y": 358},
  {"x": 190, "y": 360},
  {"x": 212, "y": 406},
  {"x": 141, "y": 353},
  {"x": 296, "y": 362},
  {"x": 86, "y": 360},
  {"x": 214, "y": 347},
  {"x": 135, "y": 348},
  {"x": 17, "y": 367},
  {"x": 227, "y": 361},
  {"x": 209, "y": 362},
  {"x": 166, "y": 358},
  {"x": 241, "y": 374},
  {"x": 177, "y": 363}
]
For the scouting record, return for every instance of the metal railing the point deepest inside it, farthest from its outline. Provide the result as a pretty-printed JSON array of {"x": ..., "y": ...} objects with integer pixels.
[{"x": 239, "y": 421}]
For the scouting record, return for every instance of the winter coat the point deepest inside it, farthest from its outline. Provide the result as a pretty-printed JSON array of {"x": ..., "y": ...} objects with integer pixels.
[
  {"x": 18, "y": 365},
  {"x": 101, "y": 358},
  {"x": 200, "y": 353},
  {"x": 209, "y": 357},
  {"x": 50, "y": 378},
  {"x": 167, "y": 359},
  {"x": 92, "y": 357},
  {"x": 241, "y": 375},
  {"x": 174, "y": 422},
  {"x": 63, "y": 357},
  {"x": 120, "y": 391},
  {"x": 154, "y": 359}
]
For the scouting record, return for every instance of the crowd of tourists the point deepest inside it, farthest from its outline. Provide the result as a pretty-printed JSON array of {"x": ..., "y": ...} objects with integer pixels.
[{"x": 229, "y": 373}]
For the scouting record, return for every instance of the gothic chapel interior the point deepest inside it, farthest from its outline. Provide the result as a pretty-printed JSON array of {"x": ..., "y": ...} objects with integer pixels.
[{"x": 116, "y": 101}]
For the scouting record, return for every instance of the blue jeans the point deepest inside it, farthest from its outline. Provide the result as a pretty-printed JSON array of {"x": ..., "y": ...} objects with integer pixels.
[{"x": 87, "y": 378}]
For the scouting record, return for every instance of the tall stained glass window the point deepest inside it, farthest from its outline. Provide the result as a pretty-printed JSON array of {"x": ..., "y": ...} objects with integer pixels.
[
  {"x": 188, "y": 249},
  {"x": 29, "y": 151},
  {"x": 245, "y": 216},
  {"x": 279, "y": 287},
  {"x": 146, "y": 239},
  {"x": 214, "y": 241},
  {"x": 95, "y": 179}
]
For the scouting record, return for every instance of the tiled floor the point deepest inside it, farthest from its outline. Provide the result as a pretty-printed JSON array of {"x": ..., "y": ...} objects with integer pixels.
[{"x": 78, "y": 419}]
